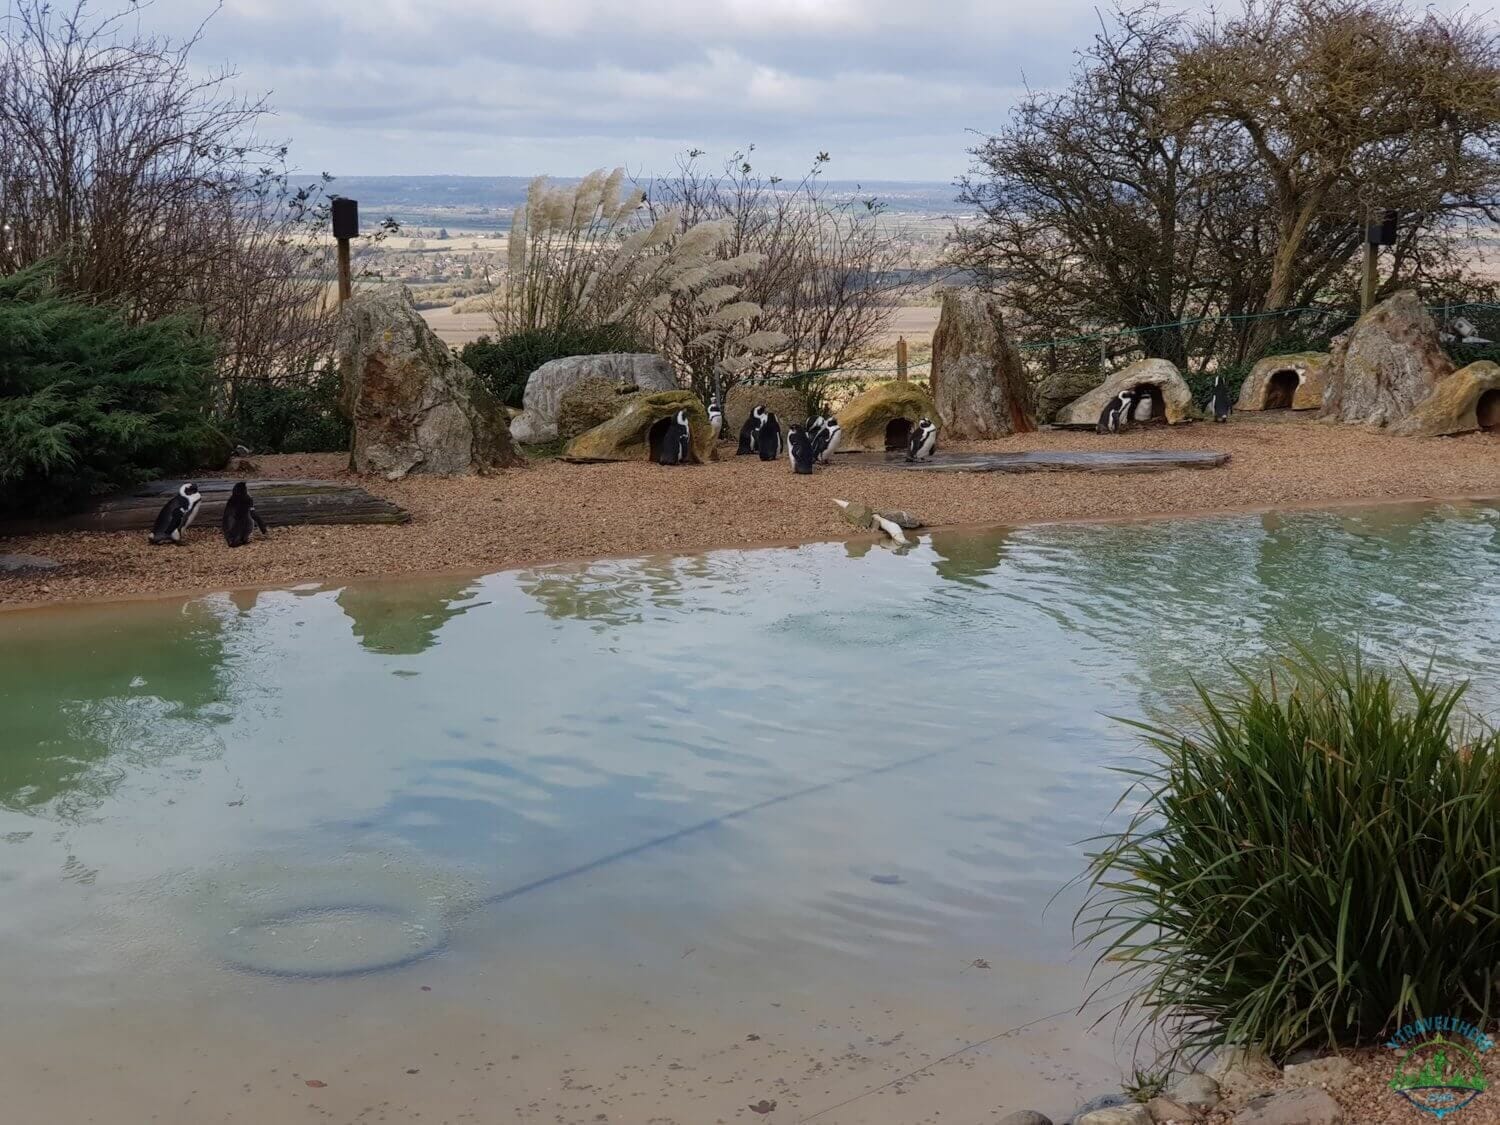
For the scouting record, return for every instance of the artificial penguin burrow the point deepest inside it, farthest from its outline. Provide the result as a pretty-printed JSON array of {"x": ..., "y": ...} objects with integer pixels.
[
  {"x": 923, "y": 441},
  {"x": 677, "y": 443},
  {"x": 768, "y": 436},
  {"x": 749, "y": 431},
  {"x": 800, "y": 451},
  {"x": 1220, "y": 400},
  {"x": 176, "y": 516},
  {"x": 830, "y": 437},
  {"x": 240, "y": 515}
]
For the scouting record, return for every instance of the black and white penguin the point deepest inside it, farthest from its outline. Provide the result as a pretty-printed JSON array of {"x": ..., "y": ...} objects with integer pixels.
[
  {"x": 176, "y": 516},
  {"x": 677, "y": 443},
  {"x": 768, "y": 436},
  {"x": 800, "y": 451},
  {"x": 240, "y": 515},
  {"x": 1220, "y": 400},
  {"x": 715, "y": 418},
  {"x": 749, "y": 431},
  {"x": 1116, "y": 414},
  {"x": 1140, "y": 409},
  {"x": 923, "y": 441},
  {"x": 815, "y": 426},
  {"x": 828, "y": 441}
]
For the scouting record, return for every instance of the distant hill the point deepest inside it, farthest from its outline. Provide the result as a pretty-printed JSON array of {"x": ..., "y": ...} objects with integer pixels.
[{"x": 486, "y": 201}]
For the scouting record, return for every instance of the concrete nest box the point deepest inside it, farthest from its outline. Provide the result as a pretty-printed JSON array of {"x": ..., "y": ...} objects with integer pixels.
[
  {"x": 635, "y": 433},
  {"x": 1170, "y": 396},
  {"x": 1461, "y": 403},
  {"x": 1285, "y": 382},
  {"x": 883, "y": 417}
]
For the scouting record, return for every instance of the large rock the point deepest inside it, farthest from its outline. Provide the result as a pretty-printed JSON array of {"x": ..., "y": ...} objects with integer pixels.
[
  {"x": 627, "y": 436},
  {"x": 884, "y": 416},
  {"x": 591, "y": 403},
  {"x": 1172, "y": 397},
  {"x": 979, "y": 387},
  {"x": 1386, "y": 364},
  {"x": 1299, "y": 1107},
  {"x": 415, "y": 407},
  {"x": 787, "y": 403},
  {"x": 1285, "y": 382},
  {"x": 1060, "y": 388},
  {"x": 1133, "y": 1114},
  {"x": 545, "y": 387},
  {"x": 1465, "y": 401}
]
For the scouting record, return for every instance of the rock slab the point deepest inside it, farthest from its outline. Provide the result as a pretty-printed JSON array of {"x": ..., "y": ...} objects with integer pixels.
[
  {"x": 1285, "y": 382},
  {"x": 415, "y": 406},
  {"x": 1298, "y": 1107},
  {"x": 1176, "y": 395},
  {"x": 542, "y": 400},
  {"x": 979, "y": 388},
  {"x": 1385, "y": 365}
]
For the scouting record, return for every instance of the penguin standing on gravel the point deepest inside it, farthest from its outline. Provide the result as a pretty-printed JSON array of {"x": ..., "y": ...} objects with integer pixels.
[
  {"x": 799, "y": 450},
  {"x": 677, "y": 442},
  {"x": 240, "y": 515},
  {"x": 715, "y": 418},
  {"x": 828, "y": 441},
  {"x": 1116, "y": 413},
  {"x": 176, "y": 516},
  {"x": 768, "y": 436},
  {"x": 1220, "y": 401},
  {"x": 749, "y": 430},
  {"x": 923, "y": 441}
]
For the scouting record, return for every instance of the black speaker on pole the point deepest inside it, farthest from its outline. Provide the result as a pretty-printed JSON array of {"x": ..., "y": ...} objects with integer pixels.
[
  {"x": 1382, "y": 233},
  {"x": 345, "y": 218}
]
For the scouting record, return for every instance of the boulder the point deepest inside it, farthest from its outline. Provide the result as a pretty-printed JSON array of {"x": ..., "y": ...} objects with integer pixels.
[
  {"x": 1132, "y": 1114},
  {"x": 1243, "y": 1070},
  {"x": 1060, "y": 388},
  {"x": 415, "y": 407},
  {"x": 1172, "y": 398},
  {"x": 1298, "y": 1107},
  {"x": 1285, "y": 382},
  {"x": 1196, "y": 1091},
  {"x": 1166, "y": 1111},
  {"x": 1465, "y": 401},
  {"x": 1385, "y": 365},
  {"x": 787, "y": 403},
  {"x": 1025, "y": 1117},
  {"x": 883, "y": 417},
  {"x": 979, "y": 388},
  {"x": 591, "y": 403},
  {"x": 627, "y": 436},
  {"x": 545, "y": 387}
]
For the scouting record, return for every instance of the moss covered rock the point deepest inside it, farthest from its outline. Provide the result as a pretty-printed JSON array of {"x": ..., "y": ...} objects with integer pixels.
[
  {"x": 627, "y": 436},
  {"x": 1461, "y": 403},
  {"x": 883, "y": 416},
  {"x": 788, "y": 404},
  {"x": 591, "y": 403},
  {"x": 1285, "y": 382},
  {"x": 1060, "y": 388}
]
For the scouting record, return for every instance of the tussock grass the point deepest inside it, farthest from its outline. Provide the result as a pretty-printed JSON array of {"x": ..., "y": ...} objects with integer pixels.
[{"x": 1314, "y": 861}]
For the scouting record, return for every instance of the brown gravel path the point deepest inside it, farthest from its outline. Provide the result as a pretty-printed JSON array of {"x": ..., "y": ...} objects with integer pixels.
[{"x": 553, "y": 511}]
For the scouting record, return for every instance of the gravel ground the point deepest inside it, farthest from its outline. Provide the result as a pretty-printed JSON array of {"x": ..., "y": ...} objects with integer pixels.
[{"x": 553, "y": 511}]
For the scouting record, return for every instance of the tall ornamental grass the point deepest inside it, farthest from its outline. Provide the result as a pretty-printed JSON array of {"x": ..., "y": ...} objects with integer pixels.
[{"x": 1315, "y": 861}]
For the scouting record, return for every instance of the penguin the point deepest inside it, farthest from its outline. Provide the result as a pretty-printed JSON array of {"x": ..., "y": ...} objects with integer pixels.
[
  {"x": 715, "y": 418},
  {"x": 768, "y": 436},
  {"x": 176, "y": 516},
  {"x": 239, "y": 515},
  {"x": 1116, "y": 412},
  {"x": 815, "y": 426},
  {"x": 1140, "y": 409},
  {"x": 1220, "y": 401},
  {"x": 799, "y": 450},
  {"x": 677, "y": 444},
  {"x": 923, "y": 441},
  {"x": 829, "y": 440},
  {"x": 749, "y": 431}
]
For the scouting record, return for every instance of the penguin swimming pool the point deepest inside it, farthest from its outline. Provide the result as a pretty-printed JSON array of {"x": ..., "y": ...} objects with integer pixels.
[{"x": 652, "y": 839}]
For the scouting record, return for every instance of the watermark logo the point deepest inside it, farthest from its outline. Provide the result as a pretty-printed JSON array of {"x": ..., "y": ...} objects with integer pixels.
[{"x": 1440, "y": 1068}]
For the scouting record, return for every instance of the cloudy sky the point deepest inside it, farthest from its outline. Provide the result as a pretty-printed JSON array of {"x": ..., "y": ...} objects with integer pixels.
[{"x": 498, "y": 87}]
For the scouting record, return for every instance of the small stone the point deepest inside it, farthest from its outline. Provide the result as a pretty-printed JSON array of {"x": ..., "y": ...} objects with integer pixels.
[
  {"x": 901, "y": 519},
  {"x": 27, "y": 562},
  {"x": 860, "y": 515},
  {"x": 1103, "y": 1101},
  {"x": 1025, "y": 1117},
  {"x": 1166, "y": 1111},
  {"x": 1131, "y": 1114},
  {"x": 1298, "y": 1107},
  {"x": 1330, "y": 1072},
  {"x": 1243, "y": 1071},
  {"x": 1196, "y": 1091}
]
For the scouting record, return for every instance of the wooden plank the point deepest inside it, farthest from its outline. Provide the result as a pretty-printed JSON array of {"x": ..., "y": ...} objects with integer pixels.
[
  {"x": 1045, "y": 461},
  {"x": 281, "y": 503}
]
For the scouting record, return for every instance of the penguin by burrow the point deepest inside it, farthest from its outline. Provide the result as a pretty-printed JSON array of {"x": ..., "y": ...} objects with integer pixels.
[
  {"x": 923, "y": 441},
  {"x": 829, "y": 440},
  {"x": 240, "y": 515},
  {"x": 677, "y": 443},
  {"x": 799, "y": 450}
]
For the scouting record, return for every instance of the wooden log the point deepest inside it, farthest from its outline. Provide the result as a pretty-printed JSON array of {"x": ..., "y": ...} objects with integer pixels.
[
  {"x": 1044, "y": 461},
  {"x": 281, "y": 503}
]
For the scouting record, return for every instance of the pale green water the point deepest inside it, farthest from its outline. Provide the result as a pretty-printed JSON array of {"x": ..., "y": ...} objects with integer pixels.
[{"x": 403, "y": 768}]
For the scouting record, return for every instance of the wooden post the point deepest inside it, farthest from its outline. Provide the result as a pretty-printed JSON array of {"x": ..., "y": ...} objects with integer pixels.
[
  {"x": 901, "y": 358},
  {"x": 345, "y": 216},
  {"x": 1372, "y": 276},
  {"x": 346, "y": 282}
]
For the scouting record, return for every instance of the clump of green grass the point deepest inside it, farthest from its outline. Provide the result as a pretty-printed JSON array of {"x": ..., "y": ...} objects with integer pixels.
[{"x": 1315, "y": 861}]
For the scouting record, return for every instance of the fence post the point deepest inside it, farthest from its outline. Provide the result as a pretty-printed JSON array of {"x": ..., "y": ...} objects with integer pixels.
[{"x": 901, "y": 358}]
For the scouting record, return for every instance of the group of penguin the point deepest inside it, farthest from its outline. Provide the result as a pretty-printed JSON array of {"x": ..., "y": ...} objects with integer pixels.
[
  {"x": 1134, "y": 404},
  {"x": 806, "y": 445},
  {"x": 178, "y": 513}
]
